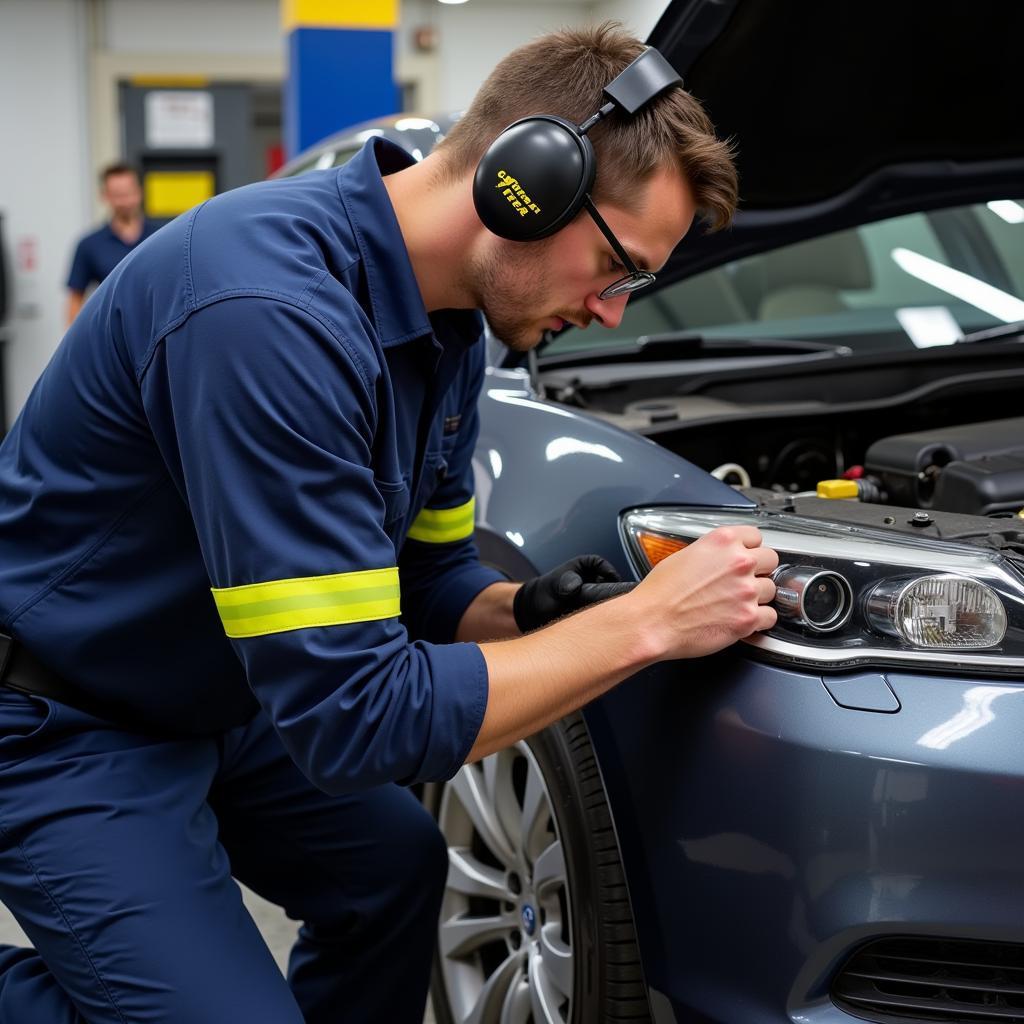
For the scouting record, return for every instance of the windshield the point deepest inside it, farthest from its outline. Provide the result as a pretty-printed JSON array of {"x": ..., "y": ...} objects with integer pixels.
[{"x": 918, "y": 280}]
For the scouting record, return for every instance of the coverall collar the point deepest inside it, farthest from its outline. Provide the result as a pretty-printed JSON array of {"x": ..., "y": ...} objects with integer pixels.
[{"x": 398, "y": 309}]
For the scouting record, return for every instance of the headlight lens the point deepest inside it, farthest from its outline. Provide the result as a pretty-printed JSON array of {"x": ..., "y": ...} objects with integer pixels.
[
  {"x": 938, "y": 611},
  {"x": 850, "y": 596}
]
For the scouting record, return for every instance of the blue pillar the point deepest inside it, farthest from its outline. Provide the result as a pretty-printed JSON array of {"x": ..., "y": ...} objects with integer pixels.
[{"x": 339, "y": 66}]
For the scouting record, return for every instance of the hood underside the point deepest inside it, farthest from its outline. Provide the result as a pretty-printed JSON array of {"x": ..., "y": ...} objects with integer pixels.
[{"x": 847, "y": 111}]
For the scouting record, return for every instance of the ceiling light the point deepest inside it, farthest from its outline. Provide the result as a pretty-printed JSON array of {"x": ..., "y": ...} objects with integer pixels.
[
  {"x": 994, "y": 301},
  {"x": 1011, "y": 212}
]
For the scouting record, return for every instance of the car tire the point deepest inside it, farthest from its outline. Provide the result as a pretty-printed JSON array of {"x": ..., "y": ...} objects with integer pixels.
[{"x": 534, "y": 818}]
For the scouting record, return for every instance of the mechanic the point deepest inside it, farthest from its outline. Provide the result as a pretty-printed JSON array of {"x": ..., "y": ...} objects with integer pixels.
[
  {"x": 274, "y": 398},
  {"x": 98, "y": 252}
]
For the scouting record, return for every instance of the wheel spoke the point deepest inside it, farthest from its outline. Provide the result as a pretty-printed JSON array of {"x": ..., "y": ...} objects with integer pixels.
[
  {"x": 516, "y": 1008},
  {"x": 557, "y": 959},
  {"x": 460, "y": 936},
  {"x": 501, "y": 790},
  {"x": 489, "y": 1007},
  {"x": 549, "y": 869},
  {"x": 535, "y": 812},
  {"x": 470, "y": 877},
  {"x": 468, "y": 786},
  {"x": 543, "y": 1000}
]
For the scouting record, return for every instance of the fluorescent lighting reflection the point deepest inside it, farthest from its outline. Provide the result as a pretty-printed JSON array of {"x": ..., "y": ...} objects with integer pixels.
[
  {"x": 516, "y": 538},
  {"x": 495, "y": 458},
  {"x": 976, "y": 712},
  {"x": 1011, "y": 212},
  {"x": 927, "y": 326},
  {"x": 993, "y": 301},
  {"x": 562, "y": 446},
  {"x": 415, "y": 123}
]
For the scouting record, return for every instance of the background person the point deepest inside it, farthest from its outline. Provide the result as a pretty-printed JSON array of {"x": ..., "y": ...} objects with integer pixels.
[{"x": 98, "y": 252}]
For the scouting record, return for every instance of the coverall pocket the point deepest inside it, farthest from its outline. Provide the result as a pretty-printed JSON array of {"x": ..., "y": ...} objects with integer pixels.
[
  {"x": 396, "y": 499},
  {"x": 21, "y": 718}
]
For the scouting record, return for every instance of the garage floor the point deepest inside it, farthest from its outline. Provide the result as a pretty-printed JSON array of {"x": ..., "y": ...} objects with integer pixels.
[{"x": 275, "y": 927}]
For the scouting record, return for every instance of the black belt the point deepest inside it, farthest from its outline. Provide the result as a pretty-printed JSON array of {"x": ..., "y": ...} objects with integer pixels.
[{"x": 21, "y": 670}]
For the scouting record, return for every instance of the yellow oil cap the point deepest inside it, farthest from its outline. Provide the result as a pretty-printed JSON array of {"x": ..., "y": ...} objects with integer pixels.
[
  {"x": 837, "y": 489},
  {"x": 1020, "y": 514}
]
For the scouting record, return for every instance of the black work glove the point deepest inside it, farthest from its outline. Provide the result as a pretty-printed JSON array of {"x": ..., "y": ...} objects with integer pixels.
[{"x": 546, "y": 598}]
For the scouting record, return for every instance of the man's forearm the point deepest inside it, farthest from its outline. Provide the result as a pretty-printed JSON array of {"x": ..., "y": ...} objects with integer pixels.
[
  {"x": 489, "y": 615},
  {"x": 536, "y": 679},
  {"x": 74, "y": 307},
  {"x": 695, "y": 602}
]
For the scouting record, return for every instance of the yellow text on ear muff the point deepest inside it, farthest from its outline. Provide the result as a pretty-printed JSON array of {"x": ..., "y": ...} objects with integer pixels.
[{"x": 515, "y": 194}]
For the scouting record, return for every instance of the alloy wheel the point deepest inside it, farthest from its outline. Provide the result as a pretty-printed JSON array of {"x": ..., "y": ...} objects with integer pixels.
[{"x": 505, "y": 937}]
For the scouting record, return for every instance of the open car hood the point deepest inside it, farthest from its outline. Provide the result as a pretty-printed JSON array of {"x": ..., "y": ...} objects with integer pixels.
[{"x": 849, "y": 111}]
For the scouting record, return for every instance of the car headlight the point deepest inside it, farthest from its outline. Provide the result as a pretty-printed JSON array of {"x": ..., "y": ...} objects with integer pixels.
[{"x": 849, "y": 596}]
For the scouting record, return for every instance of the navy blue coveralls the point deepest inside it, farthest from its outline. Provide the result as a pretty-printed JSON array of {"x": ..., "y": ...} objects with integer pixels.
[
  {"x": 98, "y": 252},
  {"x": 238, "y": 507}
]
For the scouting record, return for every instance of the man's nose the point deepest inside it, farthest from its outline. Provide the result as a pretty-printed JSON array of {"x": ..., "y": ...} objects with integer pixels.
[{"x": 607, "y": 312}]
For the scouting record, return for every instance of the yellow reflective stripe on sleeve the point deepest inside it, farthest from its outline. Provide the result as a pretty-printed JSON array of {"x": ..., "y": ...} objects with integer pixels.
[
  {"x": 444, "y": 525},
  {"x": 280, "y": 605}
]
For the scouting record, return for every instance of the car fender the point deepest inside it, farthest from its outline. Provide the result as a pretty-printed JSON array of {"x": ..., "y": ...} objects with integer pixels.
[{"x": 552, "y": 481}]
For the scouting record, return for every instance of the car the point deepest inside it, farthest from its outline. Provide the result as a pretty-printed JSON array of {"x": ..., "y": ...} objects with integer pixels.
[{"x": 824, "y": 823}]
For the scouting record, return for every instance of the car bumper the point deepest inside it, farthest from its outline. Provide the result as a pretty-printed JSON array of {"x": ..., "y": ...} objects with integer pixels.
[{"x": 768, "y": 832}]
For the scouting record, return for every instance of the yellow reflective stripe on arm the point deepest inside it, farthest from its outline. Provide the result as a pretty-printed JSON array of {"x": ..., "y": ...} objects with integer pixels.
[
  {"x": 444, "y": 525},
  {"x": 280, "y": 605}
]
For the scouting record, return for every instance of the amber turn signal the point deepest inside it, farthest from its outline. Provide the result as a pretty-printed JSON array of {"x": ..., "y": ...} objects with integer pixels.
[{"x": 656, "y": 547}]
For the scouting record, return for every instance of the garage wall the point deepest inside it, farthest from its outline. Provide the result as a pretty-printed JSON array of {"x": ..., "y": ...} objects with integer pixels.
[
  {"x": 192, "y": 26},
  {"x": 62, "y": 124},
  {"x": 45, "y": 185},
  {"x": 473, "y": 38},
  {"x": 639, "y": 16}
]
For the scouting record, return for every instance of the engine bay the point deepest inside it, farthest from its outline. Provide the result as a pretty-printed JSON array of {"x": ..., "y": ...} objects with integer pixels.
[{"x": 933, "y": 435}]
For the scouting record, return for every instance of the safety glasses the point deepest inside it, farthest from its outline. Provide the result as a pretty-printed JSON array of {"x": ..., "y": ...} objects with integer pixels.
[{"x": 636, "y": 278}]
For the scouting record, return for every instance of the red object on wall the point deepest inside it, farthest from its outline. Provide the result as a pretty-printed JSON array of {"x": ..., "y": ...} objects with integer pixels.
[
  {"x": 275, "y": 157},
  {"x": 27, "y": 249}
]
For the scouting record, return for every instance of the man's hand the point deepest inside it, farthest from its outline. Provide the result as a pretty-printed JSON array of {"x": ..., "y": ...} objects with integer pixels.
[
  {"x": 696, "y": 601},
  {"x": 559, "y": 592},
  {"x": 711, "y": 594}
]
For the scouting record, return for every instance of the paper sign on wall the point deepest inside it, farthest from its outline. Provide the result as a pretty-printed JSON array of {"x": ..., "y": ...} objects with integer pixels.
[{"x": 179, "y": 119}]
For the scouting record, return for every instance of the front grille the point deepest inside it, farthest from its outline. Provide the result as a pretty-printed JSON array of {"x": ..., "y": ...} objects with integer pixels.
[{"x": 955, "y": 981}]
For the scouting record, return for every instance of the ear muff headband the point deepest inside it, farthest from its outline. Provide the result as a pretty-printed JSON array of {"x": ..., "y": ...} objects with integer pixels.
[{"x": 536, "y": 175}]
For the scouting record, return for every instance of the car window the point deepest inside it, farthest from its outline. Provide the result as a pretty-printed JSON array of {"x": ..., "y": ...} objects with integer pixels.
[
  {"x": 913, "y": 280},
  {"x": 1003, "y": 223}
]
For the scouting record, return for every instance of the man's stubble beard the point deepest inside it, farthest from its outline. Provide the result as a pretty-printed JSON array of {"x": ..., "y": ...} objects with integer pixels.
[{"x": 511, "y": 291}]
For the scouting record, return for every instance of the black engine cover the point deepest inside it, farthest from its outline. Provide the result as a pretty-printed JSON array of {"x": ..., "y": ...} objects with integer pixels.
[{"x": 977, "y": 468}]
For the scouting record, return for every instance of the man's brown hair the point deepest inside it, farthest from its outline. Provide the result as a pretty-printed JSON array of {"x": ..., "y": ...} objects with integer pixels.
[
  {"x": 564, "y": 73},
  {"x": 119, "y": 168}
]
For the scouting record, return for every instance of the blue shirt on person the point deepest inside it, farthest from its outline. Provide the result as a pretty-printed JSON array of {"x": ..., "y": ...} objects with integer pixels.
[
  {"x": 98, "y": 252},
  {"x": 244, "y": 480}
]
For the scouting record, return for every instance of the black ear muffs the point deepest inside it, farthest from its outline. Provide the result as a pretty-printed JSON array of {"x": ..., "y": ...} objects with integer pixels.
[
  {"x": 534, "y": 178},
  {"x": 536, "y": 175}
]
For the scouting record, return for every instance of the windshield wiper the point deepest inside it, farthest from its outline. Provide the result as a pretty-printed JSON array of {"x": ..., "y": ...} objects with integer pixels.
[
  {"x": 764, "y": 346},
  {"x": 993, "y": 333},
  {"x": 683, "y": 345}
]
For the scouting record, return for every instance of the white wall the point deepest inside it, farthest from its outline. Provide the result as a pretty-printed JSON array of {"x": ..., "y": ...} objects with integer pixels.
[
  {"x": 473, "y": 38},
  {"x": 251, "y": 27},
  {"x": 639, "y": 16},
  {"x": 45, "y": 184}
]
